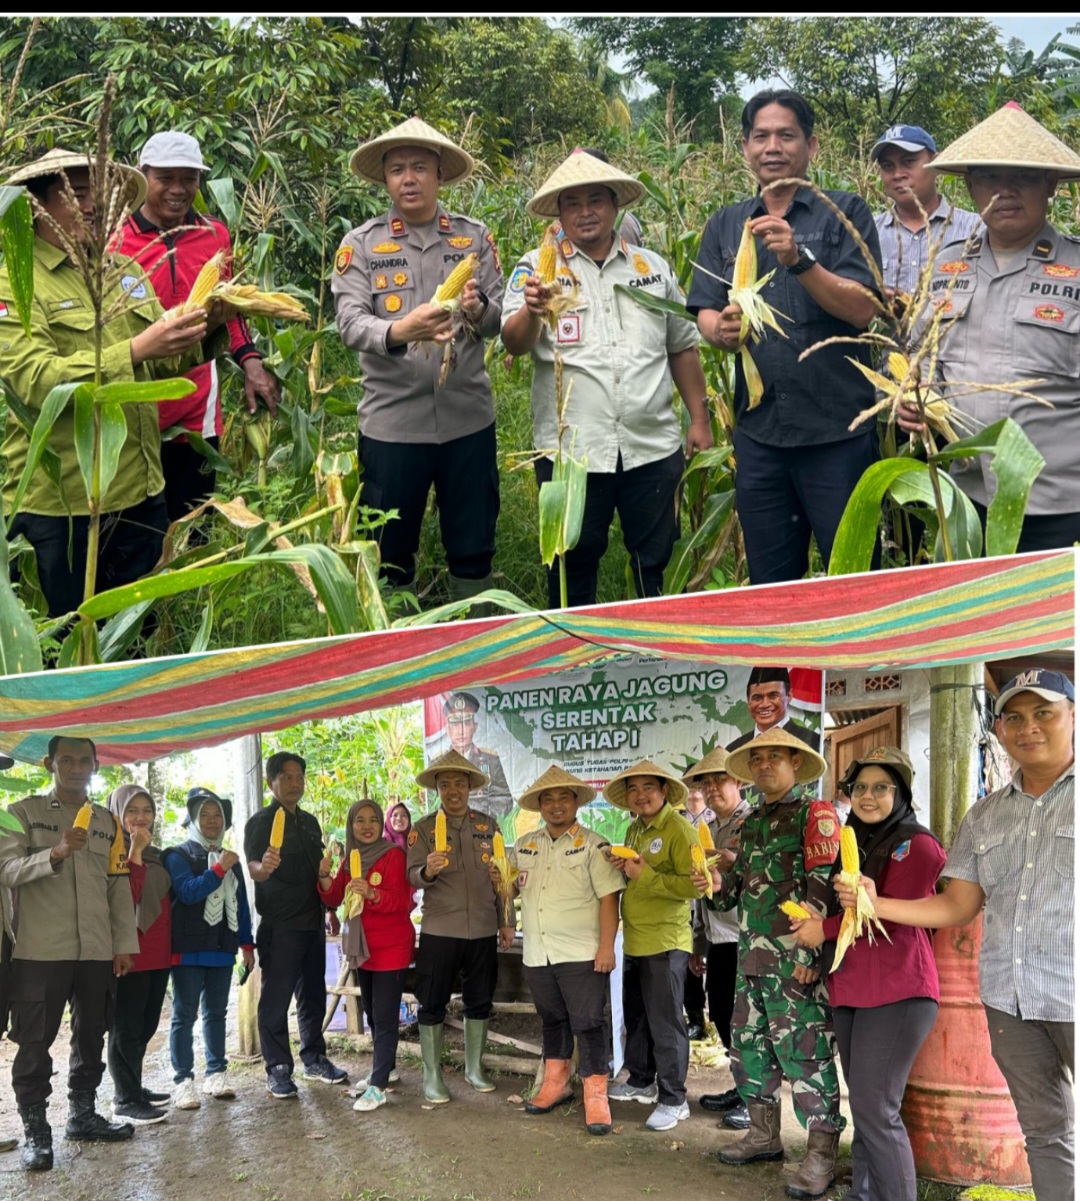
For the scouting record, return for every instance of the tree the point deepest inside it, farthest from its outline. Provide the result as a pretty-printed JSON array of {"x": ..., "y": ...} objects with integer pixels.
[
  {"x": 863, "y": 74},
  {"x": 695, "y": 55}
]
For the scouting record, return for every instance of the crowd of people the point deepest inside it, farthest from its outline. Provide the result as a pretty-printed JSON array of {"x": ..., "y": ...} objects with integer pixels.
[
  {"x": 605, "y": 368},
  {"x": 105, "y": 919}
]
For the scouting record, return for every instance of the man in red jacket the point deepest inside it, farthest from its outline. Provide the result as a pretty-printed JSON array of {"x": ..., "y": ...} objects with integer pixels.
[{"x": 172, "y": 242}]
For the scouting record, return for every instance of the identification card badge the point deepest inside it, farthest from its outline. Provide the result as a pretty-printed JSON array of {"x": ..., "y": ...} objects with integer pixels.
[{"x": 568, "y": 330}]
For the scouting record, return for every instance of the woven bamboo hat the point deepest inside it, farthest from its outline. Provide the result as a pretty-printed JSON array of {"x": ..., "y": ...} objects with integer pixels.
[
  {"x": 555, "y": 777},
  {"x": 615, "y": 790},
  {"x": 811, "y": 768},
  {"x": 582, "y": 168},
  {"x": 367, "y": 160},
  {"x": 715, "y": 761},
  {"x": 452, "y": 761},
  {"x": 57, "y": 161},
  {"x": 1009, "y": 138}
]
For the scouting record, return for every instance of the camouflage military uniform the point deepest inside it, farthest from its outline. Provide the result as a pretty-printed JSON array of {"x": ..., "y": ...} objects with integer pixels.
[{"x": 780, "y": 1027}]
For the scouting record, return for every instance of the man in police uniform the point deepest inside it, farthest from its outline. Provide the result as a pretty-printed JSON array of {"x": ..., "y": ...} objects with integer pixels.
[
  {"x": 624, "y": 358},
  {"x": 75, "y": 933},
  {"x": 1011, "y": 306},
  {"x": 414, "y": 430},
  {"x": 461, "y": 709},
  {"x": 461, "y": 918}
]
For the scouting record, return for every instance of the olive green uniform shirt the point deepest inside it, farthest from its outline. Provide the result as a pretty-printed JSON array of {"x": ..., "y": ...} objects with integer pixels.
[{"x": 656, "y": 906}]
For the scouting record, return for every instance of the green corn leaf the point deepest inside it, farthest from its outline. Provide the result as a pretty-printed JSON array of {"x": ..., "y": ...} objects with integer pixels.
[
  {"x": 51, "y": 408},
  {"x": 17, "y": 243},
  {"x": 143, "y": 391}
]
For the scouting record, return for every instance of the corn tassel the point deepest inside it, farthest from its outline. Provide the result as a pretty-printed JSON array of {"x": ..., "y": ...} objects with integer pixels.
[
  {"x": 448, "y": 293},
  {"x": 205, "y": 282},
  {"x": 697, "y": 858},
  {"x": 82, "y": 818},
  {"x": 498, "y": 857},
  {"x": 622, "y": 852},
  {"x": 863, "y": 915},
  {"x": 794, "y": 909},
  {"x": 277, "y": 830},
  {"x": 757, "y": 314},
  {"x": 440, "y": 833}
]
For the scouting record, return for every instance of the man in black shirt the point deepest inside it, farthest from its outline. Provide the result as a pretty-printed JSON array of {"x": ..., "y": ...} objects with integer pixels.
[
  {"x": 290, "y": 939},
  {"x": 798, "y": 462}
]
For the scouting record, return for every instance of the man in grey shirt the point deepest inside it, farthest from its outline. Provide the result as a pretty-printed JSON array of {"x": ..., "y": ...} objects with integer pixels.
[{"x": 1013, "y": 853}]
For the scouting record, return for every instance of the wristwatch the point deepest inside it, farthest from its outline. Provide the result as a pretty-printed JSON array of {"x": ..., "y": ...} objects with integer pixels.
[{"x": 807, "y": 259}]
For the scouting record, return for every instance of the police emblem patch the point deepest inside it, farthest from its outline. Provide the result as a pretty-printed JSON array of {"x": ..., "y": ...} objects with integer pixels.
[
  {"x": 381, "y": 282},
  {"x": 485, "y": 858},
  {"x": 459, "y": 242},
  {"x": 393, "y": 303},
  {"x": 656, "y": 846},
  {"x": 826, "y": 827},
  {"x": 412, "y": 838},
  {"x": 902, "y": 851},
  {"x": 400, "y": 278},
  {"x": 1049, "y": 312},
  {"x": 342, "y": 259},
  {"x": 956, "y": 267},
  {"x": 385, "y": 248},
  {"x": 1060, "y": 271},
  {"x": 482, "y": 827}
]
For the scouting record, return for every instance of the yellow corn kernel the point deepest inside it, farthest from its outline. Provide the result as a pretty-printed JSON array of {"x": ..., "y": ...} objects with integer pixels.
[
  {"x": 697, "y": 856},
  {"x": 356, "y": 869},
  {"x": 205, "y": 282},
  {"x": 705, "y": 837},
  {"x": 440, "y": 832},
  {"x": 745, "y": 272},
  {"x": 277, "y": 830},
  {"x": 498, "y": 846},
  {"x": 849, "y": 851},
  {"x": 82, "y": 818},
  {"x": 794, "y": 909},
  {"x": 622, "y": 852},
  {"x": 549, "y": 257},
  {"x": 451, "y": 287}
]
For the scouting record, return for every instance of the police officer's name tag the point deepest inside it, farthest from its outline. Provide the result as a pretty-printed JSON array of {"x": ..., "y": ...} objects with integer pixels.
[
  {"x": 656, "y": 846},
  {"x": 133, "y": 286},
  {"x": 568, "y": 330}
]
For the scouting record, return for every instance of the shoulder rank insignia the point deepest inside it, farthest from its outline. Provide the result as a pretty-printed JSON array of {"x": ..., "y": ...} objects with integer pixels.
[
  {"x": 400, "y": 278},
  {"x": 1049, "y": 312},
  {"x": 459, "y": 242},
  {"x": 342, "y": 259},
  {"x": 641, "y": 265},
  {"x": 1044, "y": 248},
  {"x": 444, "y": 223},
  {"x": 386, "y": 247},
  {"x": 956, "y": 267},
  {"x": 393, "y": 303},
  {"x": 1060, "y": 271},
  {"x": 381, "y": 282},
  {"x": 397, "y": 226}
]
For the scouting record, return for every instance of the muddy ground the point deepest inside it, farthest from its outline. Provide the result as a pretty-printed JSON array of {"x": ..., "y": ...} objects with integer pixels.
[{"x": 480, "y": 1147}]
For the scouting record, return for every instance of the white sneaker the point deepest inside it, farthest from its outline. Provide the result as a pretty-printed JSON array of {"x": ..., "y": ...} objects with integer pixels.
[
  {"x": 185, "y": 1096},
  {"x": 667, "y": 1117},
  {"x": 394, "y": 1078},
  {"x": 373, "y": 1097},
  {"x": 218, "y": 1086}
]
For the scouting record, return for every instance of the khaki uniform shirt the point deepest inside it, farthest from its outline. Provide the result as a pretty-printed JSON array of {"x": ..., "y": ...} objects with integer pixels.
[
  {"x": 615, "y": 352},
  {"x": 1022, "y": 323},
  {"x": 561, "y": 882},
  {"x": 60, "y": 350},
  {"x": 461, "y": 901},
  {"x": 81, "y": 909},
  {"x": 384, "y": 269}
]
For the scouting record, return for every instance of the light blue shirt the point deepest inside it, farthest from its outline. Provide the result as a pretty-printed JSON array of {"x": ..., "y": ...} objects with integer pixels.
[{"x": 906, "y": 252}]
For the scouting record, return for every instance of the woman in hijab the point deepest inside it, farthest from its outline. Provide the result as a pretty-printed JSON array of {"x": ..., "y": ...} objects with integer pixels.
[
  {"x": 884, "y": 996},
  {"x": 398, "y": 824},
  {"x": 140, "y": 994},
  {"x": 211, "y": 922},
  {"x": 379, "y": 936}
]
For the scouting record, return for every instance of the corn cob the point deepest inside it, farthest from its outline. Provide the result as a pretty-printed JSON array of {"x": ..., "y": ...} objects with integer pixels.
[
  {"x": 794, "y": 909},
  {"x": 277, "y": 830},
  {"x": 697, "y": 858},
  {"x": 498, "y": 857},
  {"x": 82, "y": 818},
  {"x": 205, "y": 282},
  {"x": 354, "y": 902},
  {"x": 356, "y": 869},
  {"x": 906, "y": 388},
  {"x": 756, "y": 313},
  {"x": 622, "y": 853},
  {"x": 448, "y": 293},
  {"x": 440, "y": 833},
  {"x": 705, "y": 837},
  {"x": 862, "y": 916},
  {"x": 249, "y": 299},
  {"x": 549, "y": 257},
  {"x": 559, "y": 300}
]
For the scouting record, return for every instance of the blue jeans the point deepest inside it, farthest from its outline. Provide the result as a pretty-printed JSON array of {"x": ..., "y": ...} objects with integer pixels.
[{"x": 189, "y": 984}]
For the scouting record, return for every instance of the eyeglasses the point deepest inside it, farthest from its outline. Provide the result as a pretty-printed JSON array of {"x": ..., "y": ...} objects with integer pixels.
[{"x": 878, "y": 791}]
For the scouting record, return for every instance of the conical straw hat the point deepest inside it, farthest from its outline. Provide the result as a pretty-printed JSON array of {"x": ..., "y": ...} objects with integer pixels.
[
  {"x": 810, "y": 769},
  {"x": 367, "y": 161},
  {"x": 452, "y": 761},
  {"x": 555, "y": 777},
  {"x": 715, "y": 761},
  {"x": 583, "y": 168},
  {"x": 1009, "y": 138},
  {"x": 57, "y": 161},
  {"x": 615, "y": 790}
]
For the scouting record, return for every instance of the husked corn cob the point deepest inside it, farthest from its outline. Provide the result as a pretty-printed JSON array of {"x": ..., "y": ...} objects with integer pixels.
[
  {"x": 249, "y": 299},
  {"x": 356, "y": 869},
  {"x": 277, "y": 830},
  {"x": 705, "y": 837},
  {"x": 756, "y": 313},
  {"x": 205, "y": 282},
  {"x": 498, "y": 846},
  {"x": 862, "y": 917},
  {"x": 549, "y": 257},
  {"x": 622, "y": 852},
  {"x": 498, "y": 857},
  {"x": 794, "y": 909},
  {"x": 448, "y": 293},
  {"x": 82, "y": 818},
  {"x": 849, "y": 851},
  {"x": 697, "y": 858},
  {"x": 440, "y": 832}
]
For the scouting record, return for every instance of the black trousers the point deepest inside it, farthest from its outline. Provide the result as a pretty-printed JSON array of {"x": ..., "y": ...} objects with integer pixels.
[
  {"x": 694, "y": 994},
  {"x": 721, "y": 968},
  {"x": 189, "y": 478},
  {"x": 381, "y": 994},
  {"x": 399, "y": 475},
  {"x": 293, "y": 963},
  {"x": 40, "y": 990},
  {"x": 657, "y": 1047},
  {"x": 439, "y": 960},
  {"x": 569, "y": 998},
  {"x": 139, "y": 997},
  {"x": 129, "y": 549},
  {"x": 646, "y": 499}
]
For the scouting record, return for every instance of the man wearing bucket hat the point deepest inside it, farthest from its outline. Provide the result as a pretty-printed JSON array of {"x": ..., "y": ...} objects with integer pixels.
[
  {"x": 462, "y": 915},
  {"x": 781, "y": 1025},
  {"x": 172, "y": 242},
  {"x": 656, "y": 940},
  {"x": 416, "y": 429},
  {"x": 137, "y": 342},
  {"x": 1011, "y": 305},
  {"x": 918, "y": 217},
  {"x": 623, "y": 359},
  {"x": 1013, "y": 855},
  {"x": 569, "y": 917}
]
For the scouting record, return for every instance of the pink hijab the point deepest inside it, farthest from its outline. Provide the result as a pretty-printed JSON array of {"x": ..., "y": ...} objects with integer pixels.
[{"x": 398, "y": 838}]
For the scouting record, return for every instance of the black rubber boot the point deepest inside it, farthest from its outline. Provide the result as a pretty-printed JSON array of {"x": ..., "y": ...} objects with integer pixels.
[
  {"x": 37, "y": 1153},
  {"x": 86, "y": 1125}
]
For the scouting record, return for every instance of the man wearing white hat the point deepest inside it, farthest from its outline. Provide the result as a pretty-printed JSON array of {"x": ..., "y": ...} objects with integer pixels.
[
  {"x": 172, "y": 242},
  {"x": 417, "y": 429},
  {"x": 1011, "y": 303},
  {"x": 621, "y": 358},
  {"x": 138, "y": 343}
]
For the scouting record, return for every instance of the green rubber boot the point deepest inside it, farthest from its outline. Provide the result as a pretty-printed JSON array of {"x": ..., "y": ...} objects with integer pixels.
[
  {"x": 431, "y": 1040},
  {"x": 466, "y": 589},
  {"x": 475, "y": 1039}
]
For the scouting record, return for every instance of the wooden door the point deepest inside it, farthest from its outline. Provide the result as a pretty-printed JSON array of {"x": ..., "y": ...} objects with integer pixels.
[{"x": 849, "y": 742}]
